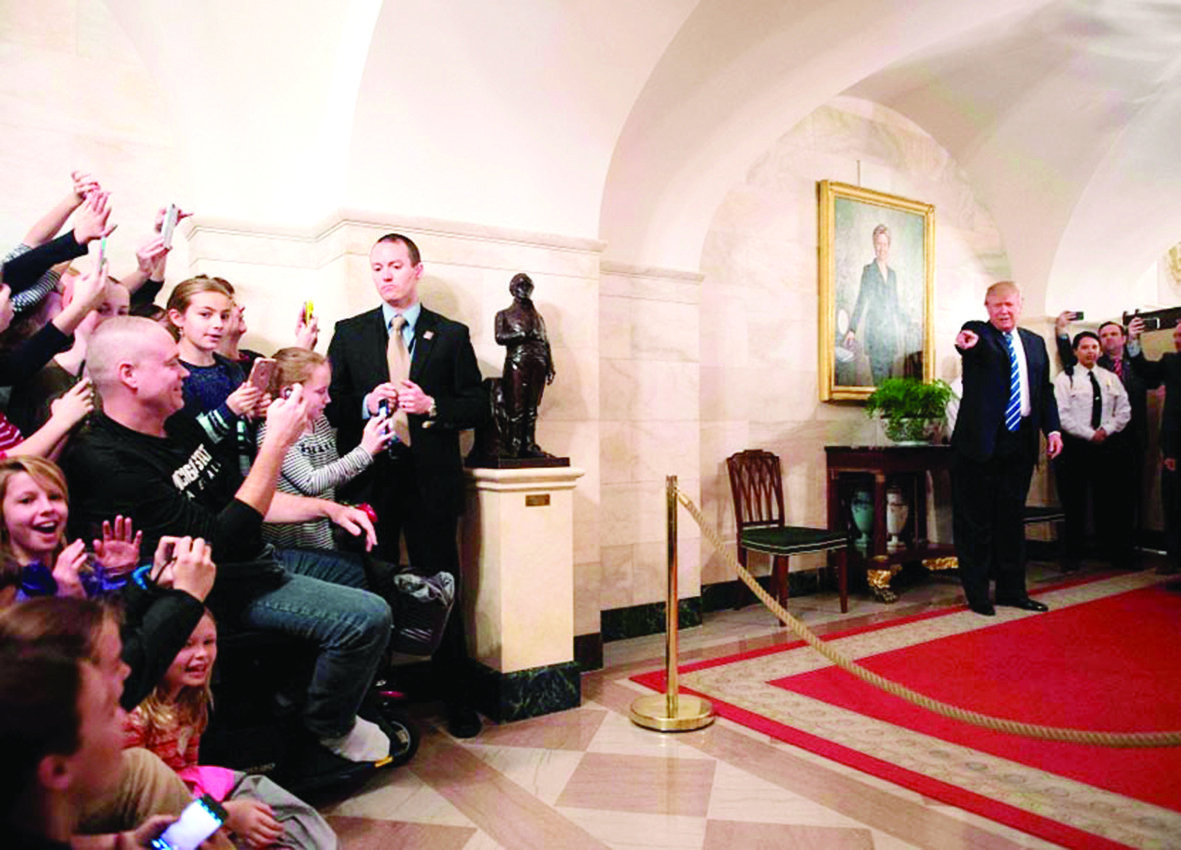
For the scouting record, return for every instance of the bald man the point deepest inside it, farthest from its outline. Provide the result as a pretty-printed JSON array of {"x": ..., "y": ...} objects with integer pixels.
[
  {"x": 1007, "y": 399},
  {"x": 144, "y": 458}
]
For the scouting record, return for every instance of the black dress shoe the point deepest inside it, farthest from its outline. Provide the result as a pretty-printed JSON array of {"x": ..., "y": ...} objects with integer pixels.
[
  {"x": 984, "y": 609},
  {"x": 463, "y": 722},
  {"x": 1025, "y": 604}
]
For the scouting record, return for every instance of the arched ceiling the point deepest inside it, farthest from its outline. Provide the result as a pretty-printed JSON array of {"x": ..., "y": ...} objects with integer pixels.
[
  {"x": 628, "y": 120},
  {"x": 1066, "y": 120},
  {"x": 502, "y": 113},
  {"x": 738, "y": 76},
  {"x": 1064, "y": 114},
  {"x": 261, "y": 96}
]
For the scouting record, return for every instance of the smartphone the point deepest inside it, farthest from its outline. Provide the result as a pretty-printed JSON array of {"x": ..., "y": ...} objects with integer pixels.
[
  {"x": 200, "y": 819},
  {"x": 261, "y": 373},
  {"x": 1076, "y": 315},
  {"x": 1152, "y": 323},
  {"x": 383, "y": 408},
  {"x": 307, "y": 312},
  {"x": 170, "y": 218}
]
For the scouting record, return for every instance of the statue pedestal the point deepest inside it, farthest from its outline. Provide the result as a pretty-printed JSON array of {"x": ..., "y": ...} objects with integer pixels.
[{"x": 518, "y": 567}]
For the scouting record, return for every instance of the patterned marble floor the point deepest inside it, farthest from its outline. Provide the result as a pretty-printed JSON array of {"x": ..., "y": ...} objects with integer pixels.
[{"x": 589, "y": 778}]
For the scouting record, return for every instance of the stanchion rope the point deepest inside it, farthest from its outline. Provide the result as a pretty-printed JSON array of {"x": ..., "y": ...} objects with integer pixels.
[{"x": 1000, "y": 724}]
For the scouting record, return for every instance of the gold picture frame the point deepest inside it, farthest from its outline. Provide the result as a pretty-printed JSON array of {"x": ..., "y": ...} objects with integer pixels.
[{"x": 874, "y": 325}]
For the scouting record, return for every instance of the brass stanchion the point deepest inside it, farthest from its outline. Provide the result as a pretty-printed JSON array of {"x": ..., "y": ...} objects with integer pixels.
[{"x": 671, "y": 712}]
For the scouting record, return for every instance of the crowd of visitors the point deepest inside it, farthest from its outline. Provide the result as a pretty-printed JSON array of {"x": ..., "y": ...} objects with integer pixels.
[{"x": 157, "y": 483}]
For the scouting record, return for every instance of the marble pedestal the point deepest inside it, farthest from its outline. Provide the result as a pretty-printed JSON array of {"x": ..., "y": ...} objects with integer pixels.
[{"x": 518, "y": 567}]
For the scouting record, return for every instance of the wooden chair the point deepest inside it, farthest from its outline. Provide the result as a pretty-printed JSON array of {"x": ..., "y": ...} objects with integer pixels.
[
  {"x": 756, "y": 483},
  {"x": 1055, "y": 516}
]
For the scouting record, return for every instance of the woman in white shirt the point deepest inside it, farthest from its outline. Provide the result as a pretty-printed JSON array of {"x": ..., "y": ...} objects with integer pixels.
[{"x": 1096, "y": 458}]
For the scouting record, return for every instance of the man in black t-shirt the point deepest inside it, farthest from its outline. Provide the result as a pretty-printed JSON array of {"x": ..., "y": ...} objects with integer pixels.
[{"x": 146, "y": 460}]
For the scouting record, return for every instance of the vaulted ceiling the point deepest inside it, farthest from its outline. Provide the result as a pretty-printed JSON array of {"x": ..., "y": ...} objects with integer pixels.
[{"x": 628, "y": 120}]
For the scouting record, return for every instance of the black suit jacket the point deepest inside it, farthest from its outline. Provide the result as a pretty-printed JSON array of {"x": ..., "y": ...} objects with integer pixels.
[
  {"x": 986, "y": 393},
  {"x": 444, "y": 364},
  {"x": 1167, "y": 370}
]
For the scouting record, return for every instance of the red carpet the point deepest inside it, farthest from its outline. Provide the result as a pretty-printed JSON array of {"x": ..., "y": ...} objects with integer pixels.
[{"x": 1111, "y": 663}]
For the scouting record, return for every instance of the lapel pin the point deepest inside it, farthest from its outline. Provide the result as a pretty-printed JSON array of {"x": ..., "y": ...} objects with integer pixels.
[{"x": 428, "y": 335}]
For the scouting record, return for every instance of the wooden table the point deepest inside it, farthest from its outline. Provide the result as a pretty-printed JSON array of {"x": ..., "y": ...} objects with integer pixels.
[{"x": 907, "y": 466}]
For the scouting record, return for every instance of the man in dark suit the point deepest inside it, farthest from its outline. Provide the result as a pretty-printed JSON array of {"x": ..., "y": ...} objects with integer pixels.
[
  {"x": 1167, "y": 370},
  {"x": 417, "y": 488},
  {"x": 1007, "y": 399}
]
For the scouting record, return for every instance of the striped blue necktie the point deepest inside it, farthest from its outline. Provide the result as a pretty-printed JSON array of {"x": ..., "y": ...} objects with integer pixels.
[{"x": 1013, "y": 411}]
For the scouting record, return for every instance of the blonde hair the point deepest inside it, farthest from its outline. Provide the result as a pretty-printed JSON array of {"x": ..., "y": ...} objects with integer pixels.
[
  {"x": 294, "y": 366},
  {"x": 1002, "y": 286},
  {"x": 48, "y": 476},
  {"x": 157, "y": 717},
  {"x": 184, "y": 292}
]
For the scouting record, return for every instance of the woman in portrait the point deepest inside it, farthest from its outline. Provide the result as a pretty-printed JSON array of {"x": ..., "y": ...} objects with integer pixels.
[{"x": 878, "y": 313}]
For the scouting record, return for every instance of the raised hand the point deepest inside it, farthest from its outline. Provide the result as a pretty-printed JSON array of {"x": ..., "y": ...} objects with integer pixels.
[
  {"x": 185, "y": 563},
  {"x": 152, "y": 258},
  {"x": 118, "y": 551},
  {"x": 306, "y": 333},
  {"x": 84, "y": 185},
  {"x": 162, "y": 213},
  {"x": 75, "y": 403},
  {"x": 69, "y": 564},
  {"x": 377, "y": 434},
  {"x": 91, "y": 221},
  {"x": 287, "y": 417},
  {"x": 244, "y": 399}
]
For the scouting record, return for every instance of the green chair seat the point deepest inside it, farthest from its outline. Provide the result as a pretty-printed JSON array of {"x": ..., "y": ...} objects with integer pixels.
[{"x": 791, "y": 540}]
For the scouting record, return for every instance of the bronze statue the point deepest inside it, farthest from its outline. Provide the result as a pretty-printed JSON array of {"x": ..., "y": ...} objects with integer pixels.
[{"x": 528, "y": 368}]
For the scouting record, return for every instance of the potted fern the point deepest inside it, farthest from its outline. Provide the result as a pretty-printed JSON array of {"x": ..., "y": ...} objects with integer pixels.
[{"x": 909, "y": 408}]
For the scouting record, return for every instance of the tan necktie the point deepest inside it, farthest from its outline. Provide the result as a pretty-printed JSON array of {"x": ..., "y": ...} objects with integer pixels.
[{"x": 398, "y": 360}]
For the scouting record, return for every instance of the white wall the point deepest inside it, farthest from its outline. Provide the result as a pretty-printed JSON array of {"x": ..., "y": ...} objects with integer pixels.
[{"x": 760, "y": 296}]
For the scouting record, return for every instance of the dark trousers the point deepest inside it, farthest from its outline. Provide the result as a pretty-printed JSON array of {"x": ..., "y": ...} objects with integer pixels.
[
  {"x": 1171, "y": 506},
  {"x": 988, "y": 522},
  {"x": 1101, "y": 475},
  {"x": 430, "y": 548}
]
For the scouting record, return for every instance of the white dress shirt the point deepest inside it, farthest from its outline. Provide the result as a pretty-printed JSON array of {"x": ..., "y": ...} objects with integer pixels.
[{"x": 1074, "y": 395}]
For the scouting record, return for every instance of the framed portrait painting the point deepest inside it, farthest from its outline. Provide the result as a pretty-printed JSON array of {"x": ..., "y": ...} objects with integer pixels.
[{"x": 877, "y": 277}]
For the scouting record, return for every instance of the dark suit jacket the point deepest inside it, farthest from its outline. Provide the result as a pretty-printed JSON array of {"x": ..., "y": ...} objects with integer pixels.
[
  {"x": 877, "y": 304},
  {"x": 444, "y": 364},
  {"x": 986, "y": 393},
  {"x": 1135, "y": 382},
  {"x": 1167, "y": 370}
]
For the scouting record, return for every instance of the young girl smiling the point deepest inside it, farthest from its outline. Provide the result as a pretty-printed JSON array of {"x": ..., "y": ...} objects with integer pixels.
[
  {"x": 34, "y": 507},
  {"x": 170, "y": 723}
]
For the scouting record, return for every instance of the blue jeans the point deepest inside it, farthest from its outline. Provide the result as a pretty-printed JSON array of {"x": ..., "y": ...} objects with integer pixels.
[{"x": 321, "y": 600}]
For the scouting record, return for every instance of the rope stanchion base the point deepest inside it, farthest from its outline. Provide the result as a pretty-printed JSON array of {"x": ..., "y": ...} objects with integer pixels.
[{"x": 652, "y": 712}]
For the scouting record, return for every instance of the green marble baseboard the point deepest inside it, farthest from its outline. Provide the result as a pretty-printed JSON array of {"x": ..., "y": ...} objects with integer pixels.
[
  {"x": 588, "y": 651},
  {"x": 505, "y": 697},
  {"x": 640, "y": 620}
]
